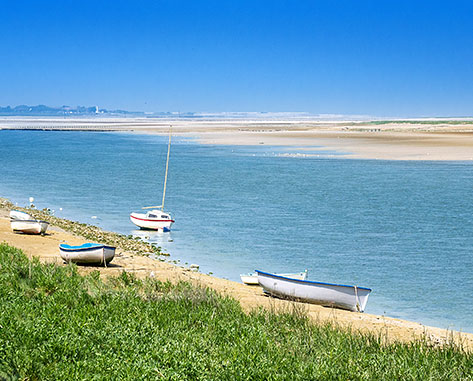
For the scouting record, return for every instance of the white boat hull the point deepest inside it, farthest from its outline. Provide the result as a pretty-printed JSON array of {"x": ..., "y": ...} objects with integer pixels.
[
  {"x": 98, "y": 254},
  {"x": 326, "y": 294},
  {"x": 252, "y": 279},
  {"x": 29, "y": 226},
  {"x": 144, "y": 222},
  {"x": 17, "y": 215}
]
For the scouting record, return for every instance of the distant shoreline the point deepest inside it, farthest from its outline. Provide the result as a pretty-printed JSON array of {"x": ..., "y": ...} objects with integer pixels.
[{"x": 433, "y": 140}]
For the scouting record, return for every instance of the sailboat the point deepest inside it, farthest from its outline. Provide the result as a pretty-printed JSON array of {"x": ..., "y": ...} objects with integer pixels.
[{"x": 155, "y": 218}]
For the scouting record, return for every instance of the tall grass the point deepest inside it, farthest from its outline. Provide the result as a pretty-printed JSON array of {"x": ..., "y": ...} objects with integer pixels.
[{"x": 56, "y": 324}]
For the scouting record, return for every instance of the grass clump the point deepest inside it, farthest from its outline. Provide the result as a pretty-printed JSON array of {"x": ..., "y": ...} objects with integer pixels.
[{"x": 56, "y": 324}]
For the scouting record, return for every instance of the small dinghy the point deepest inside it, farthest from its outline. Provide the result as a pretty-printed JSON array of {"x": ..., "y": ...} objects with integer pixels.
[
  {"x": 22, "y": 222},
  {"x": 350, "y": 298},
  {"x": 252, "y": 278},
  {"x": 29, "y": 226},
  {"x": 17, "y": 215},
  {"x": 87, "y": 254}
]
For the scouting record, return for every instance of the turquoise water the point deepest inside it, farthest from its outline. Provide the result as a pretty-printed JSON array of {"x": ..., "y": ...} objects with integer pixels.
[{"x": 403, "y": 229}]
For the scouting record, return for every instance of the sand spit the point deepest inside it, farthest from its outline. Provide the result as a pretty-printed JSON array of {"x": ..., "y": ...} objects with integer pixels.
[
  {"x": 46, "y": 249},
  {"x": 415, "y": 139}
]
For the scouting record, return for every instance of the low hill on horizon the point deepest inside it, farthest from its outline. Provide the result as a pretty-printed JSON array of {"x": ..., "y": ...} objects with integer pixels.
[{"x": 42, "y": 110}]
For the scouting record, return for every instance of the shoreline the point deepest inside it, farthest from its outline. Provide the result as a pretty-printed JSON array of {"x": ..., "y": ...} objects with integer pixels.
[
  {"x": 432, "y": 140},
  {"x": 389, "y": 329}
]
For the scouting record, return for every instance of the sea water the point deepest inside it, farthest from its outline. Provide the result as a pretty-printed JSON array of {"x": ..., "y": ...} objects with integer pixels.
[{"x": 402, "y": 228}]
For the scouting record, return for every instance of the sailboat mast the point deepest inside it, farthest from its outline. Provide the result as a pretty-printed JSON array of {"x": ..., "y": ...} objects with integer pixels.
[{"x": 167, "y": 166}]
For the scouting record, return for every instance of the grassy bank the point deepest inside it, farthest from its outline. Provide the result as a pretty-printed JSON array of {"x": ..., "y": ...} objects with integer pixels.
[{"x": 56, "y": 324}]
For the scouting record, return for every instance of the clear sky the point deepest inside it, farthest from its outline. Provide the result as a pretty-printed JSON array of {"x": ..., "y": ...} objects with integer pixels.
[{"x": 383, "y": 58}]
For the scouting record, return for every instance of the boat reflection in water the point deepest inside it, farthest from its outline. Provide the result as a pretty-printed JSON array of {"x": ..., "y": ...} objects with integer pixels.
[{"x": 156, "y": 238}]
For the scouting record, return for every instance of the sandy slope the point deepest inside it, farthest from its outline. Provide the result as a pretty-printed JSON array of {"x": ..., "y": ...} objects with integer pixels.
[{"x": 46, "y": 249}]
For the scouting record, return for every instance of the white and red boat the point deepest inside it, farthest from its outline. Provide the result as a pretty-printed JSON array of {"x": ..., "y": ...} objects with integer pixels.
[{"x": 155, "y": 219}]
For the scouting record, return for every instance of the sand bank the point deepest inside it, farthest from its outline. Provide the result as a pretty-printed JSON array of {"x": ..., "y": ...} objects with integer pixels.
[
  {"x": 354, "y": 140},
  {"x": 357, "y": 145},
  {"x": 46, "y": 249},
  {"x": 385, "y": 140}
]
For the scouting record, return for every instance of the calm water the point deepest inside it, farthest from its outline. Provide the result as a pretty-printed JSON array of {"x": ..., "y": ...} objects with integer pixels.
[{"x": 402, "y": 228}]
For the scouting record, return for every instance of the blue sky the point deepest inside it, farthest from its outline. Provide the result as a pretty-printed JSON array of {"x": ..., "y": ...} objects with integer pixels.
[{"x": 383, "y": 58}]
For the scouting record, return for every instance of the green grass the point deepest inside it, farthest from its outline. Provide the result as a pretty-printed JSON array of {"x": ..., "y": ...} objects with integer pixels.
[{"x": 56, "y": 324}]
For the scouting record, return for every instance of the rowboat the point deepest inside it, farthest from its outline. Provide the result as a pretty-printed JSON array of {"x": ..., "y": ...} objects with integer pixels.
[
  {"x": 18, "y": 215},
  {"x": 252, "y": 278},
  {"x": 29, "y": 226},
  {"x": 24, "y": 223},
  {"x": 88, "y": 253},
  {"x": 156, "y": 218},
  {"x": 351, "y": 298}
]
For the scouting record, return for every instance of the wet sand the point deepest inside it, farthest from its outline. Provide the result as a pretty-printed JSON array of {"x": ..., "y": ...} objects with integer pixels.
[
  {"x": 250, "y": 297},
  {"x": 357, "y": 145}
]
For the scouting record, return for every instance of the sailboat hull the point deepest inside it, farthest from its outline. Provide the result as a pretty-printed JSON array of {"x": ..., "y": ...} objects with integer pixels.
[{"x": 143, "y": 221}]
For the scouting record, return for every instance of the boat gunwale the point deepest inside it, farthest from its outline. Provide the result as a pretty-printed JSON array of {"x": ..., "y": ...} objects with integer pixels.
[
  {"x": 87, "y": 248},
  {"x": 17, "y": 220},
  {"x": 312, "y": 282},
  {"x": 19, "y": 211},
  {"x": 255, "y": 275}
]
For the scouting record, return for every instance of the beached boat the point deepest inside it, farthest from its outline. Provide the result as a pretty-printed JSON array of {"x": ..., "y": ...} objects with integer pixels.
[
  {"x": 252, "y": 278},
  {"x": 351, "y": 298},
  {"x": 88, "y": 253},
  {"x": 29, "y": 226},
  {"x": 18, "y": 215},
  {"x": 155, "y": 219}
]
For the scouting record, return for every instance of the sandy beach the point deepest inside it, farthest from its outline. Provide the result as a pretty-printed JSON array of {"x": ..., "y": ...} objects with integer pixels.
[
  {"x": 380, "y": 140},
  {"x": 46, "y": 249}
]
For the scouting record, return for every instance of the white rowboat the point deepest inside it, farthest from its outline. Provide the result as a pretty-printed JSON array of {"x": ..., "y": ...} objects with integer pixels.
[
  {"x": 252, "y": 278},
  {"x": 29, "y": 226},
  {"x": 88, "y": 253},
  {"x": 17, "y": 215},
  {"x": 351, "y": 298}
]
